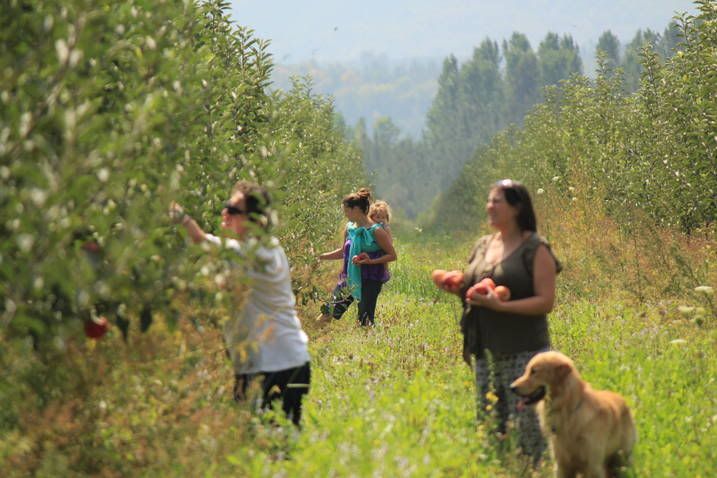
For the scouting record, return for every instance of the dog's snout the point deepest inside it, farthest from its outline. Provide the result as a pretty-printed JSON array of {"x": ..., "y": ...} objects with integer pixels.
[{"x": 514, "y": 389}]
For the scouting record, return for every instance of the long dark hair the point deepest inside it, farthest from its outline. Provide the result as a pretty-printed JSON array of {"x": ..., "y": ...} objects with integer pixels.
[
  {"x": 517, "y": 195},
  {"x": 361, "y": 198}
]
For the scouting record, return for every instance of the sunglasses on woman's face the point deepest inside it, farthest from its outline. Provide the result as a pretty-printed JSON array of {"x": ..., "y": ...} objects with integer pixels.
[{"x": 233, "y": 210}]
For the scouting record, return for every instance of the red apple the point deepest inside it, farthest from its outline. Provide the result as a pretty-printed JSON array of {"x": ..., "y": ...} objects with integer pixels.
[
  {"x": 453, "y": 279},
  {"x": 91, "y": 246},
  {"x": 355, "y": 259},
  {"x": 438, "y": 276},
  {"x": 502, "y": 292},
  {"x": 96, "y": 328},
  {"x": 482, "y": 288}
]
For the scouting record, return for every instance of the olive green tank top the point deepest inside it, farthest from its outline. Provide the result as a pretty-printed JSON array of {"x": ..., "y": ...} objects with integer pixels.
[{"x": 504, "y": 333}]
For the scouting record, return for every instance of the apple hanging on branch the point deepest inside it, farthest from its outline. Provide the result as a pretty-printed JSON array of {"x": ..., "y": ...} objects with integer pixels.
[{"x": 95, "y": 328}]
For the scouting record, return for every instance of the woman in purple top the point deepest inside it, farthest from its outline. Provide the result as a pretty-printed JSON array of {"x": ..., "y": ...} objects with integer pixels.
[{"x": 366, "y": 250}]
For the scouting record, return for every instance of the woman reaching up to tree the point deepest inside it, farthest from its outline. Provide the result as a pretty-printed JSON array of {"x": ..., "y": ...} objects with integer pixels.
[{"x": 277, "y": 354}]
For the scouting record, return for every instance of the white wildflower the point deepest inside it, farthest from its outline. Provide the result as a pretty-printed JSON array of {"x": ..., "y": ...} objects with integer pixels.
[
  {"x": 38, "y": 196},
  {"x": 75, "y": 57},
  {"x": 25, "y": 123},
  {"x": 10, "y": 307},
  {"x": 25, "y": 242},
  {"x": 540, "y": 191},
  {"x": 83, "y": 298},
  {"x": 59, "y": 343},
  {"x": 705, "y": 289},
  {"x": 63, "y": 52},
  {"x": 220, "y": 280},
  {"x": 103, "y": 175},
  {"x": 103, "y": 289}
]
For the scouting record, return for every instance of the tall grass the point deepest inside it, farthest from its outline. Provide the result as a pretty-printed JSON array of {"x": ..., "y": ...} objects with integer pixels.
[{"x": 395, "y": 400}]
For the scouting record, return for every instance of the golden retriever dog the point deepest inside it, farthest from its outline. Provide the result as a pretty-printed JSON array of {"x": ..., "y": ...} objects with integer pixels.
[{"x": 591, "y": 432}]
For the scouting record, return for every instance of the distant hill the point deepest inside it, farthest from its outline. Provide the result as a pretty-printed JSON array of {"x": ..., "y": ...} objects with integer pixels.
[{"x": 373, "y": 87}]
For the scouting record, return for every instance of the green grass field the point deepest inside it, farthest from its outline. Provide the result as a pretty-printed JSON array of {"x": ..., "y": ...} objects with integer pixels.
[
  {"x": 395, "y": 400},
  {"x": 398, "y": 400}
]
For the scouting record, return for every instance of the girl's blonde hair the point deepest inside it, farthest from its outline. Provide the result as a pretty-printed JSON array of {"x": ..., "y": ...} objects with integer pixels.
[{"x": 380, "y": 206}]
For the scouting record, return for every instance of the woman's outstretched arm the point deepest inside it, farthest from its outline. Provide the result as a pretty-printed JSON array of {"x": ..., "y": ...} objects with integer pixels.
[
  {"x": 333, "y": 255},
  {"x": 178, "y": 216}
]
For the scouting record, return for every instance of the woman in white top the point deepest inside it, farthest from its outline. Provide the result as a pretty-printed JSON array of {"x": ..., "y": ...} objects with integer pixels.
[{"x": 279, "y": 353}]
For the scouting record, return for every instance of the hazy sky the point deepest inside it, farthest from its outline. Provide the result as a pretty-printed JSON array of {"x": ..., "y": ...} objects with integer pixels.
[{"x": 332, "y": 30}]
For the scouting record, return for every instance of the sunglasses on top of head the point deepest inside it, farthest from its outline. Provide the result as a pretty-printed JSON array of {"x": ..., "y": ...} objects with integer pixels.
[{"x": 505, "y": 183}]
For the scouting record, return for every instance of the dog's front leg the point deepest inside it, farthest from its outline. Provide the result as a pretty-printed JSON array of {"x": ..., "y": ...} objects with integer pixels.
[
  {"x": 595, "y": 469},
  {"x": 564, "y": 470}
]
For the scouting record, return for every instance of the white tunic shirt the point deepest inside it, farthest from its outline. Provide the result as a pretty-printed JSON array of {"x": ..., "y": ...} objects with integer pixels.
[{"x": 266, "y": 336}]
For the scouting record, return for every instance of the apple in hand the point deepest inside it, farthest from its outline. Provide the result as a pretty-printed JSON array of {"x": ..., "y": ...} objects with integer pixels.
[
  {"x": 438, "y": 276},
  {"x": 96, "y": 328},
  {"x": 481, "y": 288},
  {"x": 362, "y": 256},
  {"x": 503, "y": 293},
  {"x": 453, "y": 280}
]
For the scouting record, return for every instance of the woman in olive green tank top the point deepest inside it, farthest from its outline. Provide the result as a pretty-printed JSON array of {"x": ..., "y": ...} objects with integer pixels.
[{"x": 502, "y": 336}]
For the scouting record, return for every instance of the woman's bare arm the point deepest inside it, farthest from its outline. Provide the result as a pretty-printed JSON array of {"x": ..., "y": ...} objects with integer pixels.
[
  {"x": 333, "y": 255},
  {"x": 383, "y": 239},
  {"x": 195, "y": 232}
]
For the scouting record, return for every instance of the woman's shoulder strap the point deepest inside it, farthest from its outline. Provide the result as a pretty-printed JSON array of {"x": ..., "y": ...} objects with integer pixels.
[{"x": 531, "y": 246}]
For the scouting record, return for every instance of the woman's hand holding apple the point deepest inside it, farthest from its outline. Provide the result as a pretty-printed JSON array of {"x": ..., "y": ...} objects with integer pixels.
[
  {"x": 450, "y": 281},
  {"x": 486, "y": 294},
  {"x": 361, "y": 258},
  {"x": 482, "y": 287}
]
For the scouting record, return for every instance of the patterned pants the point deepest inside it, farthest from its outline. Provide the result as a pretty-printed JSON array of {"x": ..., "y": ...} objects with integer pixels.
[{"x": 493, "y": 379}]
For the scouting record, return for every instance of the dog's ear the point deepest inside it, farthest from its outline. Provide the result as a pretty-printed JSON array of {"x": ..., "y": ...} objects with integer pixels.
[{"x": 562, "y": 371}]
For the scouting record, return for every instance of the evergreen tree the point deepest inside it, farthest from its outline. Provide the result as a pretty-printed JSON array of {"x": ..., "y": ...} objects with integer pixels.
[
  {"x": 558, "y": 59},
  {"x": 669, "y": 41},
  {"x": 481, "y": 94},
  {"x": 632, "y": 64},
  {"x": 445, "y": 128},
  {"x": 609, "y": 45},
  {"x": 521, "y": 76}
]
